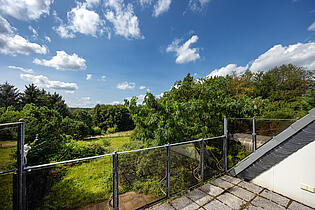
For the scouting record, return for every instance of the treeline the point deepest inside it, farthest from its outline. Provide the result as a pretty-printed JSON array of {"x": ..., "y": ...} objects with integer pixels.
[
  {"x": 52, "y": 128},
  {"x": 195, "y": 108}
]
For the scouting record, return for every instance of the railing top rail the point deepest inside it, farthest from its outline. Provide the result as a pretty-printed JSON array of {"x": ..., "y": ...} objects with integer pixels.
[
  {"x": 9, "y": 124},
  {"x": 123, "y": 152},
  {"x": 267, "y": 119},
  {"x": 64, "y": 162}
]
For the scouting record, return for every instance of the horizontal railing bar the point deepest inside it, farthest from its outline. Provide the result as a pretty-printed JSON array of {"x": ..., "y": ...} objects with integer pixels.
[
  {"x": 8, "y": 124},
  {"x": 262, "y": 119},
  {"x": 175, "y": 144},
  {"x": 64, "y": 162},
  {"x": 187, "y": 142},
  {"x": 123, "y": 152},
  {"x": 6, "y": 172}
]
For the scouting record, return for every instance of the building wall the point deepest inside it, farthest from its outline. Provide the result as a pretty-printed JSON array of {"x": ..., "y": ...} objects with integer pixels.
[{"x": 286, "y": 177}]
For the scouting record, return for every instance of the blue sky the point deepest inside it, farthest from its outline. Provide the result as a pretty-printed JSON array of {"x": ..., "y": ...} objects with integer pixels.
[{"x": 102, "y": 51}]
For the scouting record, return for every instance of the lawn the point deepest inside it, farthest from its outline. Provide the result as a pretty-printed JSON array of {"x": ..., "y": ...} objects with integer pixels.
[
  {"x": 84, "y": 183},
  {"x": 7, "y": 149}
]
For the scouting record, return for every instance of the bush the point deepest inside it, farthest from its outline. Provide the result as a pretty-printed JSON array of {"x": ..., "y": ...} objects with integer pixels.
[
  {"x": 97, "y": 130},
  {"x": 80, "y": 149},
  {"x": 112, "y": 130}
]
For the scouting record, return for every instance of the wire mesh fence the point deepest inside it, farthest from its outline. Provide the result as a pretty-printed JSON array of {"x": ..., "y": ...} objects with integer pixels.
[{"x": 70, "y": 186}]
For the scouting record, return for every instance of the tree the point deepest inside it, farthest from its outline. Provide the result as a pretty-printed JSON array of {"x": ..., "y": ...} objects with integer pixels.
[{"x": 9, "y": 95}]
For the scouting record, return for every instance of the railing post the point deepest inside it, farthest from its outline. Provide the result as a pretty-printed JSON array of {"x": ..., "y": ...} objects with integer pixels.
[
  {"x": 168, "y": 171},
  {"x": 225, "y": 145},
  {"x": 115, "y": 181},
  {"x": 19, "y": 183},
  {"x": 202, "y": 152},
  {"x": 254, "y": 134}
]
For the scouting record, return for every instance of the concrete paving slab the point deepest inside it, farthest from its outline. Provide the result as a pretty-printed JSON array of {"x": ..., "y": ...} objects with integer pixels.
[
  {"x": 231, "y": 179},
  {"x": 251, "y": 187},
  {"x": 231, "y": 200},
  {"x": 251, "y": 207},
  {"x": 266, "y": 204},
  {"x": 184, "y": 203},
  {"x": 298, "y": 206},
  {"x": 242, "y": 193},
  {"x": 215, "y": 205},
  {"x": 164, "y": 206},
  {"x": 211, "y": 189},
  {"x": 222, "y": 183},
  {"x": 199, "y": 197},
  {"x": 279, "y": 199}
]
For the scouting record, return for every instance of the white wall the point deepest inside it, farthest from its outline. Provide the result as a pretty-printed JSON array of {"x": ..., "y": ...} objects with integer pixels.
[{"x": 285, "y": 177}]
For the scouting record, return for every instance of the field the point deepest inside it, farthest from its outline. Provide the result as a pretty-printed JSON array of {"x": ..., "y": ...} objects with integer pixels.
[{"x": 7, "y": 160}]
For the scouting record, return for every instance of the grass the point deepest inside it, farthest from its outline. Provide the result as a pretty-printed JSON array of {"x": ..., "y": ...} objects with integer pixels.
[
  {"x": 6, "y": 191},
  {"x": 7, "y": 148},
  {"x": 86, "y": 183}
]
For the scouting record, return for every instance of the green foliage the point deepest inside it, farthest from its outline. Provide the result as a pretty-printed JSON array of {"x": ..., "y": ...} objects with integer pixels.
[
  {"x": 112, "y": 130},
  {"x": 96, "y": 130},
  {"x": 76, "y": 129},
  {"x": 80, "y": 149},
  {"x": 9, "y": 95}
]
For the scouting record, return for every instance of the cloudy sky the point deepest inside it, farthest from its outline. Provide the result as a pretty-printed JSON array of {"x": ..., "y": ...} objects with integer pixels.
[{"x": 102, "y": 51}]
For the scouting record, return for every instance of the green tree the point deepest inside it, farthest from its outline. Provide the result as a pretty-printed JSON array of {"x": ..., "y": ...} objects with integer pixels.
[{"x": 9, "y": 95}]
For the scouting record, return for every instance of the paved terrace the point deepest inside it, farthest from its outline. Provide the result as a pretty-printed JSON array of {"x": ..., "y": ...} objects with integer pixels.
[{"x": 228, "y": 193}]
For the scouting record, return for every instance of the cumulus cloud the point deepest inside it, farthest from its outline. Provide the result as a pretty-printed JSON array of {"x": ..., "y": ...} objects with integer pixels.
[
  {"x": 144, "y": 3},
  {"x": 184, "y": 53},
  {"x": 43, "y": 82},
  {"x": 88, "y": 76},
  {"x": 103, "y": 78},
  {"x": 21, "y": 69},
  {"x": 25, "y": 9},
  {"x": 311, "y": 27},
  {"x": 47, "y": 38},
  {"x": 197, "y": 5},
  {"x": 126, "y": 85},
  {"x": 13, "y": 44},
  {"x": 35, "y": 34},
  {"x": 92, "y": 3},
  {"x": 81, "y": 20},
  {"x": 140, "y": 98},
  {"x": 142, "y": 87},
  {"x": 227, "y": 70},
  {"x": 63, "y": 61},
  {"x": 122, "y": 17},
  {"x": 161, "y": 7},
  {"x": 300, "y": 54}
]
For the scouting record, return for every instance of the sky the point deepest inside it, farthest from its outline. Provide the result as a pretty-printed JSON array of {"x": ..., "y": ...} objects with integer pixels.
[{"x": 103, "y": 51}]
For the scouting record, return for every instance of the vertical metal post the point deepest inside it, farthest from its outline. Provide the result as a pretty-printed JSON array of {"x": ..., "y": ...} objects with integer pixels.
[
  {"x": 225, "y": 145},
  {"x": 168, "y": 171},
  {"x": 202, "y": 152},
  {"x": 115, "y": 181},
  {"x": 20, "y": 194},
  {"x": 254, "y": 135}
]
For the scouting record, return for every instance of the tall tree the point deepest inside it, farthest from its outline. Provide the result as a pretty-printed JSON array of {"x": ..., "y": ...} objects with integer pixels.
[{"x": 9, "y": 95}]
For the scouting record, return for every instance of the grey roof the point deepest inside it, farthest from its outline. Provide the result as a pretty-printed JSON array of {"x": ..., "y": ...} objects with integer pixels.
[{"x": 296, "y": 136}]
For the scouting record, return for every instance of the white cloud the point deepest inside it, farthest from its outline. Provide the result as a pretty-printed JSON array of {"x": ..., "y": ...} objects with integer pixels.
[
  {"x": 92, "y": 3},
  {"x": 311, "y": 27},
  {"x": 21, "y": 69},
  {"x": 47, "y": 38},
  {"x": 87, "y": 98},
  {"x": 88, "y": 76},
  {"x": 228, "y": 70},
  {"x": 116, "y": 103},
  {"x": 81, "y": 20},
  {"x": 184, "y": 53},
  {"x": 103, "y": 78},
  {"x": 13, "y": 44},
  {"x": 43, "y": 82},
  {"x": 144, "y": 3},
  {"x": 300, "y": 54},
  {"x": 161, "y": 6},
  {"x": 139, "y": 100},
  {"x": 197, "y": 5},
  {"x": 122, "y": 17},
  {"x": 63, "y": 61},
  {"x": 35, "y": 34},
  {"x": 142, "y": 87},
  {"x": 25, "y": 9},
  {"x": 126, "y": 85},
  {"x": 5, "y": 27}
]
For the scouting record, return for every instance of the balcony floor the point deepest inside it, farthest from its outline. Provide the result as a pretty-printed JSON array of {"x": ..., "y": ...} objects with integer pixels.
[{"x": 228, "y": 193}]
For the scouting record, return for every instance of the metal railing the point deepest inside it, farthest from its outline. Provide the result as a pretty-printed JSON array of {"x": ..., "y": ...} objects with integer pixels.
[{"x": 200, "y": 146}]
